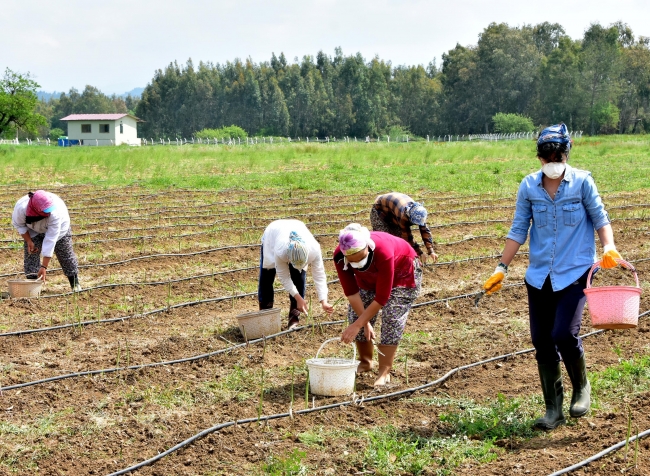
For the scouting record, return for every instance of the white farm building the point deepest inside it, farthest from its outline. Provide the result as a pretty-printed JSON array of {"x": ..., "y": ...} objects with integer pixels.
[{"x": 103, "y": 129}]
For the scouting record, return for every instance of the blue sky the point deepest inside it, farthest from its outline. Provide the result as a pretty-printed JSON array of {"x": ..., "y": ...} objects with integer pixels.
[{"x": 117, "y": 45}]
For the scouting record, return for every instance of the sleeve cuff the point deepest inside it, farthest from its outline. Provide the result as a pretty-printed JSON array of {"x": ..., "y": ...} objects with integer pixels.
[
  {"x": 521, "y": 239},
  {"x": 599, "y": 225}
]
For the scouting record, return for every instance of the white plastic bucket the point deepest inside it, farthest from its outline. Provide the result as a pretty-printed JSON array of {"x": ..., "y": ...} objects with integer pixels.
[
  {"x": 331, "y": 377},
  {"x": 254, "y": 325}
]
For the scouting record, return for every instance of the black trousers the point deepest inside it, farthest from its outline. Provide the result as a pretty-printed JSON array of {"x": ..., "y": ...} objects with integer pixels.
[
  {"x": 555, "y": 320},
  {"x": 265, "y": 293}
]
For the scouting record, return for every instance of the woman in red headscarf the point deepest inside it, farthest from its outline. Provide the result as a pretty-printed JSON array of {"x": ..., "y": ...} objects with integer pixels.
[
  {"x": 42, "y": 219},
  {"x": 378, "y": 272}
]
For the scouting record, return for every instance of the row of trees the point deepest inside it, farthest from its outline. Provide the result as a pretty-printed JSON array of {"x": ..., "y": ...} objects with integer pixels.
[
  {"x": 22, "y": 114},
  {"x": 598, "y": 84}
]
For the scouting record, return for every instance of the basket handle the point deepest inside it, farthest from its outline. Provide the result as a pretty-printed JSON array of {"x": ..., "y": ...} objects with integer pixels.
[
  {"x": 622, "y": 262},
  {"x": 354, "y": 347}
]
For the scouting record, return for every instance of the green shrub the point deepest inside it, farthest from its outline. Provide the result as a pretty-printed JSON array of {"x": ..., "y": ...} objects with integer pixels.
[
  {"x": 55, "y": 133},
  {"x": 606, "y": 116},
  {"x": 233, "y": 131},
  {"x": 508, "y": 123}
]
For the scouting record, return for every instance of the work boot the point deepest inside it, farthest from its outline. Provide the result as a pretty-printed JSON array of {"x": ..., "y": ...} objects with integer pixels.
[
  {"x": 74, "y": 283},
  {"x": 364, "y": 349},
  {"x": 385, "y": 357},
  {"x": 581, "y": 396},
  {"x": 551, "y": 378}
]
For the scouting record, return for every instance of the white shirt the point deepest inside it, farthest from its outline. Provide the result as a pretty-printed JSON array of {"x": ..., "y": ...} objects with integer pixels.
[
  {"x": 54, "y": 227},
  {"x": 275, "y": 244}
]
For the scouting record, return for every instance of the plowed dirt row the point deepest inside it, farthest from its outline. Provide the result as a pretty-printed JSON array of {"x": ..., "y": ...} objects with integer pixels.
[{"x": 104, "y": 423}]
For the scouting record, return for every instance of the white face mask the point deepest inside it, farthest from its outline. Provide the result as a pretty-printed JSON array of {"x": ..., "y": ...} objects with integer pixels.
[
  {"x": 554, "y": 170},
  {"x": 360, "y": 264}
]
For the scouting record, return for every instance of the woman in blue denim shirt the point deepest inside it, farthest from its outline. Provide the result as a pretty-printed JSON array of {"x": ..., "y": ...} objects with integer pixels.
[{"x": 564, "y": 207}]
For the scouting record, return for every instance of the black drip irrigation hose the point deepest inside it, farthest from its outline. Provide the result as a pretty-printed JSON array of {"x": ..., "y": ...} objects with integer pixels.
[
  {"x": 602, "y": 454},
  {"x": 230, "y": 247},
  {"x": 160, "y": 255},
  {"x": 151, "y": 283},
  {"x": 18, "y": 243},
  {"x": 202, "y": 356},
  {"x": 142, "y": 314},
  {"x": 123, "y": 318},
  {"x": 203, "y": 301},
  {"x": 167, "y": 362},
  {"x": 354, "y": 401}
]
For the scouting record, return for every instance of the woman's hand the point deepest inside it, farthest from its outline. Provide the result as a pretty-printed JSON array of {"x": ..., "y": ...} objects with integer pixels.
[
  {"x": 42, "y": 273},
  {"x": 31, "y": 247},
  {"x": 369, "y": 332},
  {"x": 350, "y": 333},
  {"x": 495, "y": 282},
  {"x": 302, "y": 305},
  {"x": 426, "y": 257},
  {"x": 610, "y": 255},
  {"x": 327, "y": 307}
]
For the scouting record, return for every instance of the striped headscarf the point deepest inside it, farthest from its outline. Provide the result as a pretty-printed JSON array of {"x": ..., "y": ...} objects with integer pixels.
[{"x": 297, "y": 251}]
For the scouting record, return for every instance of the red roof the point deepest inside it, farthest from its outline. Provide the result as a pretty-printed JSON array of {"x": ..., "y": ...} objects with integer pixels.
[{"x": 98, "y": 117}]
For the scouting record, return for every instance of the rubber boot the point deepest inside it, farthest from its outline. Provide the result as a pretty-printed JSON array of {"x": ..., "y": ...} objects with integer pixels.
[
  {"x": 294, "y": 318},
  {"x": 385, "y": 363},
  {"x": 265, "y": 305},
  {"x": 581, "y": 396},
  {"x": 364, "y": 349},
  {"x": 74, "y": 283},
  {"x": 551, "y": 378}
]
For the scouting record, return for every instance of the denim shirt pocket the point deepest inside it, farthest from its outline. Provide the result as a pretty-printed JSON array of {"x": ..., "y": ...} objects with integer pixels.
[
  {"x": 573, "y": 213},
  {"x": 539, "y": 215}
]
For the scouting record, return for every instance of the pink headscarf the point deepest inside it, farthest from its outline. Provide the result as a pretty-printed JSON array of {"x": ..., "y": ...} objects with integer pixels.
[{"x": 39, "y": 201}]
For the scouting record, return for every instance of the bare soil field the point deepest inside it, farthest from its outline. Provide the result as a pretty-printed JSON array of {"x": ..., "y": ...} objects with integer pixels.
[{"x": 165, "y": 274}]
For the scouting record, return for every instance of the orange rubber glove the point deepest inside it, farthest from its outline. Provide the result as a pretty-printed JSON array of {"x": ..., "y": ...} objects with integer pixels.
[
  {"x": 610, "y": 255},
  {"x": 495, "y": 282}
]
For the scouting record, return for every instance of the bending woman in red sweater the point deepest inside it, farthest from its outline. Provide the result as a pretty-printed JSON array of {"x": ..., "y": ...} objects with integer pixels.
[{"x": 378, "y": 271}]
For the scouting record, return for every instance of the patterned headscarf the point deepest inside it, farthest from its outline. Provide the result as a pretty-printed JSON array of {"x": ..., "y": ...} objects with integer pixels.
[
  {"x": 352, "y": 239},
  {"x": 417, "y": 214},
  {"x": 40, "y": 204},
  {"x": 297, "y": 251},
  {"x": 557, "y": 133}
]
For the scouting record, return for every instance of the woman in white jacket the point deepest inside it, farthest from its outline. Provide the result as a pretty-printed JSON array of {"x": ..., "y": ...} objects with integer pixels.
[
  {"x": 288, "y": 248},
  {"x": 42, "y": 219}
]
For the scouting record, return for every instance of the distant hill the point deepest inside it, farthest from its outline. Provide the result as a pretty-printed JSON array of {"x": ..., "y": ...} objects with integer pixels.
[
  {"x": 46, "y": 96},
  {"x": 135, "y": 92}
]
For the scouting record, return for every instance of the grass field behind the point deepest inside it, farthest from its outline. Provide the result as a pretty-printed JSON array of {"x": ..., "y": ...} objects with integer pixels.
[
  {"x": 618, "y": 163},
  {"x": 193, "y": 260}
]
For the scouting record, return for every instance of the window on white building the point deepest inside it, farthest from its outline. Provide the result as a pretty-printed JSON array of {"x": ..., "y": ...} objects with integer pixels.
[
  {"x": 121, "y": 128},
  {"x": 104, "y": 128},
  {"x": 85, "y": 128}
]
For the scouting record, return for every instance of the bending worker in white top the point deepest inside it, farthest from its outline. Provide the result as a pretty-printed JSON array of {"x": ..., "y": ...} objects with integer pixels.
[
  {"x": 43, "y": 221},
  {"x": 288, "y": 248}
]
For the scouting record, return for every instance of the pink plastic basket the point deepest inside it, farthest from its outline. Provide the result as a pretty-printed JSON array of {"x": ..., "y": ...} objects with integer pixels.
[{"x": 613, "y": 307}]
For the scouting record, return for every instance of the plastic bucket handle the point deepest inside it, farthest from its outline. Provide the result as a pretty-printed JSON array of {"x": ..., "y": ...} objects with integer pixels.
[
  {"x": 622, "y": 262},
  {"x": 354, "y": 347}
]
